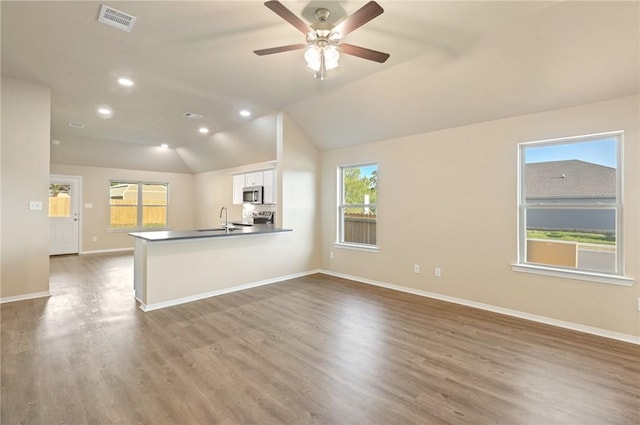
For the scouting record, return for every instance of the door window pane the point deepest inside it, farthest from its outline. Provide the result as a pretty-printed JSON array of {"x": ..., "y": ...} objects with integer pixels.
[{"x": 59, "y": 200}]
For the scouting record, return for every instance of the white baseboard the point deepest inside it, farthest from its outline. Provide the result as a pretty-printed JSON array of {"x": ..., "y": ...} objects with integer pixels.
[
  {"x": 197, "y": 297},
  {"x": 488, "y": 307},
  {"x": 24, "y": 297},
  {"x": 105, "y": 251}
]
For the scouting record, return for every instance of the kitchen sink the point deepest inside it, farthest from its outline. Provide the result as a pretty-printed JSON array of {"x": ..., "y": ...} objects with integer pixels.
[{"x": 217, "y": 229}]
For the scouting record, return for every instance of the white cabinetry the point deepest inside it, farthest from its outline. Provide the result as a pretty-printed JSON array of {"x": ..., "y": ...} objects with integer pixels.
[
  {"x": 269, "y": 186},
  {"x": 238, "y": 184},
  {"x": 266, "y": 178},
  {"x": 254, "y": 178}
]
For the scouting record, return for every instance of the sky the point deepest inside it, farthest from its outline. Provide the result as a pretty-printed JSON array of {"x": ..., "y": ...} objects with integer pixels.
[
  {"x": 366, "y": 171},
  {"x": 602, "y": 152}
]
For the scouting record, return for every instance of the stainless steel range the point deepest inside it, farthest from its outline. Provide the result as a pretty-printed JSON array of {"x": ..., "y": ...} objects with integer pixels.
[{"x": 263, "y": 217}]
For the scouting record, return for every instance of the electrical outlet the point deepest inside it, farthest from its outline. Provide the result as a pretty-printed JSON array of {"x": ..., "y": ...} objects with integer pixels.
[
  {"x": 437, "y": 272},
  {"x": 416, "y": 268},
  {"x": 638, "y": 304},
  {"x": 331, "y": 254},
  {"x": 95, "y": 239}
]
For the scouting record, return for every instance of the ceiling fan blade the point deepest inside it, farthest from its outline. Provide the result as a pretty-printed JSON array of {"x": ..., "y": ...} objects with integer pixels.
[
  {"x": 362, "y": 52},
  {"x": 288, "y": 16},
  {"x": 273, "y": 50},
  {"x": 359, "y": 18}
]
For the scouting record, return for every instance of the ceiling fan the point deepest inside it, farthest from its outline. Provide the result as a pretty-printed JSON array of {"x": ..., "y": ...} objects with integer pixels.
[{"x": 323, "y": 40}]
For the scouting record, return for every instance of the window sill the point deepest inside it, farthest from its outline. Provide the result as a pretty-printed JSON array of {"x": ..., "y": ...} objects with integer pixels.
[
  {"x": 573, "y": 274},
  {"x": 356, "y": 247}
]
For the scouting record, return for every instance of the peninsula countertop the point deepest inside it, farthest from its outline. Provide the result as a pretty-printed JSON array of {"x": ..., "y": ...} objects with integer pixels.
[{"x": 169, "y": 235}]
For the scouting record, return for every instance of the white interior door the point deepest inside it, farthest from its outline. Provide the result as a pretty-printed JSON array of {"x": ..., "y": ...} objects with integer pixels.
[{"x": 64, "y": 215}]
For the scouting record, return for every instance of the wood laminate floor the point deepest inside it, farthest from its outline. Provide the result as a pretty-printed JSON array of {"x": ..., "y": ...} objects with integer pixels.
[{"x": 314, "y": 350}]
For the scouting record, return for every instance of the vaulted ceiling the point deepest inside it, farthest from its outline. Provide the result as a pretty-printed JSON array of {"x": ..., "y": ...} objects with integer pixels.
[{"x": 452, "y": 63}]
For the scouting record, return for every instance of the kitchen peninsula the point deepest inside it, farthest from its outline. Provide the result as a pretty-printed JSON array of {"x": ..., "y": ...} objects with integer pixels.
[{"x": 174, "y": 267}]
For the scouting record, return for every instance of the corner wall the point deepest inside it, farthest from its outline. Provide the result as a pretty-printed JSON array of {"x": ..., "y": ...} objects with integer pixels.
[
  {"x": 298, "y": 191},
  {"x": 26, "y": 110},
  {"x": 448, "y": 199}
]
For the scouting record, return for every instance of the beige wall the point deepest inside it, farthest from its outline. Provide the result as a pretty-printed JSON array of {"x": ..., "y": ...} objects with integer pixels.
[
  {"x": 448, "y": 199},
  {"x": 298, "y": 191},
  {"x": 25, "y": 177},
  {"x": 95, "y": 190}
]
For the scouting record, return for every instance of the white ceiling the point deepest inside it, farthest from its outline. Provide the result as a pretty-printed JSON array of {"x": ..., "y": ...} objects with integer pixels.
[{"x": 452, "y": 63}]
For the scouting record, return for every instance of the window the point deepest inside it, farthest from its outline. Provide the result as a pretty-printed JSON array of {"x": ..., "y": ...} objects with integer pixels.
[
  {"x": 138, "y": 205},
  {"x": 59, "y": 200},
  {"x": 570, "y": 204},
  {"x": 357, "y": 210}
]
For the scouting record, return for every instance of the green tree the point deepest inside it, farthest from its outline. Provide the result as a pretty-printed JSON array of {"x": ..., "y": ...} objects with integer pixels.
[
  {"x": 55, "y": 189},
  {"x": 356, "y": 186}
]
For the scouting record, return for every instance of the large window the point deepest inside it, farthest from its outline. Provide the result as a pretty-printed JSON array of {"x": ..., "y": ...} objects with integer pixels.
[
  {"x": 357, "y": 209},
  {"x": 138, "y": 205},
  {"x": 570, "y": 204}
]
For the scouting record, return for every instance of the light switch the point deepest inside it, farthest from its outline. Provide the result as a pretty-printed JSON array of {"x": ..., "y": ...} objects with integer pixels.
[
  {"x": 35, "y": 205},
  {"x": 88, "y": 205}
]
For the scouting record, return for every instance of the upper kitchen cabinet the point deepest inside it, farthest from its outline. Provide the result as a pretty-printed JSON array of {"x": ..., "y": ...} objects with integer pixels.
[
  {"x": 269, "y": 177},
  {"x": 265, "y": 178},
  {"x": 238, "y": 184},
  {"x": 254, "y": 179}
]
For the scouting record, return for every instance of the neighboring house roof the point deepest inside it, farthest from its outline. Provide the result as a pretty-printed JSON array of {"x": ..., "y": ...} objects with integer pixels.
[
  {"x": 118, "y": 191},
  {"x": 569, "y": 179}
]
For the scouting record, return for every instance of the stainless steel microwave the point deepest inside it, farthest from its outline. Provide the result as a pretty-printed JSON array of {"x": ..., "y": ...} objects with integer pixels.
[{"x": 253, "y": 195}]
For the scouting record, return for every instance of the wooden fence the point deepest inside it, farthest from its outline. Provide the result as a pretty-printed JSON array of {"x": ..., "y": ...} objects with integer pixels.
[
  {"x": 60, "y": 206},
  {"x": 360, "y": 228},
  {"x": 123, "y": 214}
]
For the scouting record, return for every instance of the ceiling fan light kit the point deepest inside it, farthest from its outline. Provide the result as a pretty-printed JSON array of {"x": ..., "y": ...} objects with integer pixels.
[{"x": 323, "y": 47}]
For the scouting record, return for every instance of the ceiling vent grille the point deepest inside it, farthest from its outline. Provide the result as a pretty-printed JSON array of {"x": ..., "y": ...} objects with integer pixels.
[
  {"x": 116, "y": 18},
  {"x": 75, "y": 124}
]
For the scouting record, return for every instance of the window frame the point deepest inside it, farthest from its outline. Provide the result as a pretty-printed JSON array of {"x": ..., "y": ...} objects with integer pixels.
[
  {"x": 522, "y": 265},
  {"x": 341, "y": 206},
  {"x": 139, "y": 207}
]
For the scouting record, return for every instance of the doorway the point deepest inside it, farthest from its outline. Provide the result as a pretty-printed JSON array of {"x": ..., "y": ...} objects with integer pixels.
[{"x": 64, "y": 214}]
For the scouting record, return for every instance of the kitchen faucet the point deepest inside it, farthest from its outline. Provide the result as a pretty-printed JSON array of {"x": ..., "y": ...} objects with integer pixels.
[{"x": 226, "y": 217}]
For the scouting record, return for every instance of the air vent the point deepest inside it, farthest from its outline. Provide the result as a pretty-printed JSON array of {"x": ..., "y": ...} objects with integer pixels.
[
  {"x": 192, "y": 115},
  {"x": 75, "y": 124},
  {"x": 116, "y": 18}
]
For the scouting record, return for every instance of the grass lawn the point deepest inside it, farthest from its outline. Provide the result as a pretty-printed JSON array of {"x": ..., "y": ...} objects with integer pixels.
[{"x": 563, "y": 235}]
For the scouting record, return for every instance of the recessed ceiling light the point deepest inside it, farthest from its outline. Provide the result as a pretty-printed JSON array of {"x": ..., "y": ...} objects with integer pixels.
[
  {"x": 203, "y": 130},
  {"x": 125, "y": 82},
  {"x": 164, "y": 146},
  {"x": 104, "y": 111},
  {"x": 245, "y": 113}
]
